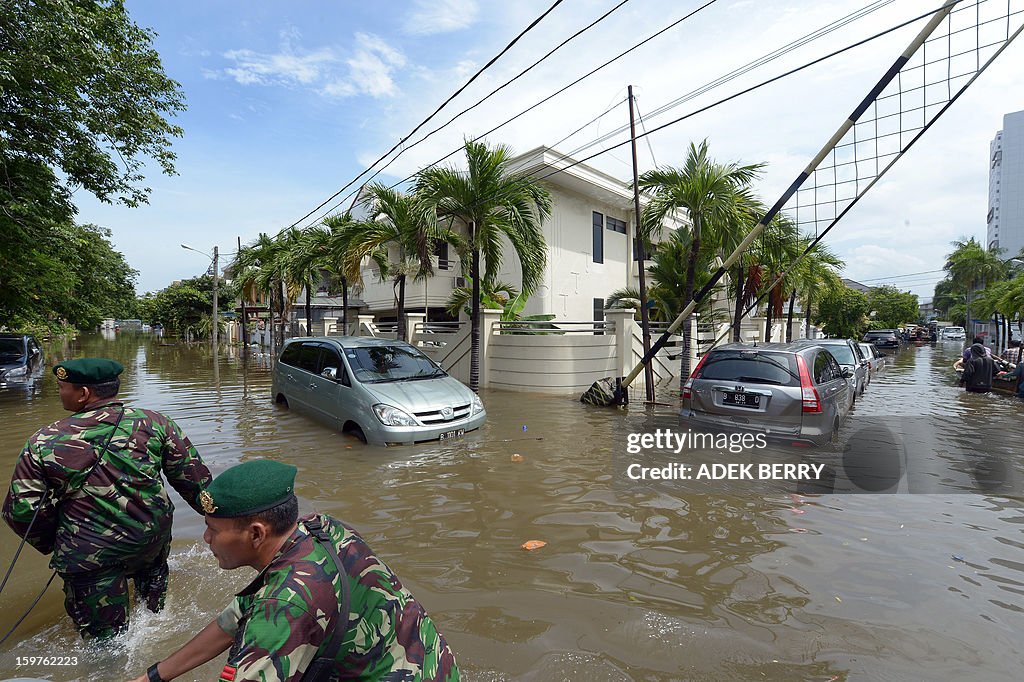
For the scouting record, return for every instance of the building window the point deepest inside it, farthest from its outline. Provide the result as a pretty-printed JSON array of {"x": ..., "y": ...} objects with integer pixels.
[
  {"x": 598, "y": 315},
  {"x": 598, "y": 238},
  {"x": 648, "y": 250},
  {"x": 616, "y": 225},
  {"x": 441, "y": 251}
]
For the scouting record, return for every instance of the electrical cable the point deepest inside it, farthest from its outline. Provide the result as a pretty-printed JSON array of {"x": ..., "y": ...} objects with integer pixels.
[
  {"x": 487, "y": 96},
  {"x": 32, "y": 606},
  {"x": 436, "y": 111},
  {"x": 540, "y": 102}
]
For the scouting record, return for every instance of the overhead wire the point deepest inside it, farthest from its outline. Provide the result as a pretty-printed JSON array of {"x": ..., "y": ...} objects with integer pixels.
[
  {"x": 436, "y": 111},
  {"x": 544, "y": 100}
]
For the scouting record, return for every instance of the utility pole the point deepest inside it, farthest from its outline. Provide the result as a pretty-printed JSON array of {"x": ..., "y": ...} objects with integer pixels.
[
  {"x": 645, "y": 322},
  {"x": 245, "y": 318},
  {"x": 216, "y": 268}
]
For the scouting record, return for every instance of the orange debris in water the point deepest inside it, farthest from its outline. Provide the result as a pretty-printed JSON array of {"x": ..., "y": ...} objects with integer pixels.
[
  {"x": 517, "y": 457},
  {"x": 533, "y": 544}
]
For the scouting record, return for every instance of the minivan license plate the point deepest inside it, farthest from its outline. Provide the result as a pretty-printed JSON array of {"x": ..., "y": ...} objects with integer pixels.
[
  {"x": 742, "y": 400},
  {"x": 452, "y": 434}
]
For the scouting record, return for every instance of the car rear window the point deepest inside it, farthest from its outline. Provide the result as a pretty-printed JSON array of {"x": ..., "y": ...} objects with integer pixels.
[
  {"x": 842, "y": 352},
  {"x": 757, "y": 367}
]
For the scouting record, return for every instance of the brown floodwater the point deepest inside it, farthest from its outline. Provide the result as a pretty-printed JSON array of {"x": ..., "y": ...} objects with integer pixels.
[{"x": 727, "y": 581}]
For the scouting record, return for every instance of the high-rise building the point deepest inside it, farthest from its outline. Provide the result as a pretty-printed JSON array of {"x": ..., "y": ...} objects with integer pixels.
[{"x": 1006, "y": 187}]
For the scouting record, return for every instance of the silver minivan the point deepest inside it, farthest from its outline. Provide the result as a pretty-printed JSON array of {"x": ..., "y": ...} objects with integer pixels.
[
  {"x": 378, "y": 390},
  {"x": 800, "y": 396}
]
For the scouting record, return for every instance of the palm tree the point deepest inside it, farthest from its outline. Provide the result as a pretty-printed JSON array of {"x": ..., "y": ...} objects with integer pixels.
[
  {"x": 707, "y": 191},
  {"x": 336, "y": 244},
  {"x": 970, "y": 264},
  {"x": 815, "y": 274},
  {"x": 259, "y": 269},
  {"x": 400, "y": 225},
  {"x": 492, "y": 202},
  {"x": 306, "y": 262}
]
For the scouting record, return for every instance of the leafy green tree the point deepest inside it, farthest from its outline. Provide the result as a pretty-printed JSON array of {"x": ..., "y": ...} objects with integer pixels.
[
  {"x": 890, "y": 308},
  {"x": 707, "y": 191},
  {"x": 493, "y": 203},
  {"x": 842, "y": 313},
  {"x": 83, "y": 91},
  {"x": 969, "y": 267}
]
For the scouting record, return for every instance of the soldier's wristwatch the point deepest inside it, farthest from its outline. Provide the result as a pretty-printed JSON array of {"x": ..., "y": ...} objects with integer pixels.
[{"x": 153, "y": 675}]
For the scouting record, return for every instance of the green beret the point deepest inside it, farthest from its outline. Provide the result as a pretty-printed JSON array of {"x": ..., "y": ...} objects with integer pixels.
[
  {"x": 249, "y": 488},
  {"x": 88, "y": 371}
]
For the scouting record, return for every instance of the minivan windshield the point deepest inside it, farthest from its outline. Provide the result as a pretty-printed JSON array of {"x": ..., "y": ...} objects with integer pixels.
[
  {"x": 754, "y": 367},
  {"x": 11, "y": 348},
  {"x": 381, "y": 364}
]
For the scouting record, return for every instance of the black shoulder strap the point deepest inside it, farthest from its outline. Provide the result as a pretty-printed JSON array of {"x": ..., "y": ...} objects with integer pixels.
[
  {"x": 100, "y": 455},
  {"x": 316, "y": 529}
]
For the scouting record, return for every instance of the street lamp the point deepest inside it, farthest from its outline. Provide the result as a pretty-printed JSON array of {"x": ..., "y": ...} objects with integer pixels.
[{"x": 216, "y": 259}]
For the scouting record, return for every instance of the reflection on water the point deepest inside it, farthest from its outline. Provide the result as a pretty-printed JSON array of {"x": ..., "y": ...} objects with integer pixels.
[{"x": 635, "y": 582}]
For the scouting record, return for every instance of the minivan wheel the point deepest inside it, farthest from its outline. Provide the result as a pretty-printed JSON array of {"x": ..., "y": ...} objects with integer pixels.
[
  {"x": 281, "y": 400},
  {"x": 357, "y": 432}
]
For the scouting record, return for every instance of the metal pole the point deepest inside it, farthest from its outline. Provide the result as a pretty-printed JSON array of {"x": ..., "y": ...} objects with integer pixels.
[
  {"x": 645, "y": 321},
  {"x": 245, "y": 319},
  {"x": 216, "y": 267}
]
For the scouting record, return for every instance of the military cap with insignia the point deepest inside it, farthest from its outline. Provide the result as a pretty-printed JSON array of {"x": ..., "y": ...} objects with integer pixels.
[
  {"x": 249, "y": 488},
  {"x": 88, "y": 371}
]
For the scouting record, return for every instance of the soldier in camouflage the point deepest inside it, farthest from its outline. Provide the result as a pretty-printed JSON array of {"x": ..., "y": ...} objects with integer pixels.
[
  {"x": 88, "y": 488},
  {"x": 286, "y": 618}
]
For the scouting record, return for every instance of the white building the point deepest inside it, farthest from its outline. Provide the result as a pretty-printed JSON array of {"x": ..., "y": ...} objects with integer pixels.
[
  {"x": 1006, "y": 187},
  {"x": 590, "y": 247}
]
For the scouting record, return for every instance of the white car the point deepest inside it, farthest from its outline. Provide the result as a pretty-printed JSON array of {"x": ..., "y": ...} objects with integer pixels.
[{"x": 953, "y": 334}]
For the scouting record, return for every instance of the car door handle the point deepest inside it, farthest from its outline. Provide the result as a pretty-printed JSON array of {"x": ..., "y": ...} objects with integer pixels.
[{"x": 313, "y": 386}]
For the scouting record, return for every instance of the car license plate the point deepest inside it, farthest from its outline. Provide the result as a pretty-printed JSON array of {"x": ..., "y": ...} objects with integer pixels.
[
  {"x": 742, "y": 399},
  {"x": 457, "y": 433}
]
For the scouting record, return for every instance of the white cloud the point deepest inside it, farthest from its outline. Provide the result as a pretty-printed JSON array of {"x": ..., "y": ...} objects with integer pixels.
[
  {"x": 369, "y": 69},
  {"x": 440, "y": 16}
]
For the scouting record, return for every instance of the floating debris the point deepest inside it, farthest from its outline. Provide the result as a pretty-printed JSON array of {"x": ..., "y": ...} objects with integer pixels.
[
  {"x": 517, "y": 457},
  {"x": 531, "y": 545}
]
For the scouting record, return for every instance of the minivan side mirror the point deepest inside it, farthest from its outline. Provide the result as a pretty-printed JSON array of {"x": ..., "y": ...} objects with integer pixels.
[
  {"x": 847, "y": 372},
  {"x": 330, "y": 373}
]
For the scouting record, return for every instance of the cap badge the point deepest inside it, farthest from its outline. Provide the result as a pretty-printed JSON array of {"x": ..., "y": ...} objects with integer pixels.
[
  {"x": 206, "y": 500},
  {"x": 61, "y": 373}
]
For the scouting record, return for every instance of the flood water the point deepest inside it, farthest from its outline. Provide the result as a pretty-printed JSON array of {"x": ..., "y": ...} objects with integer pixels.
[{"x": 635, "y": 582}]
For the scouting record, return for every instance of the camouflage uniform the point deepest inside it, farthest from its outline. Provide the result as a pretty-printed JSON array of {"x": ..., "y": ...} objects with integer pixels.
[
  {"x": 283, "y": 618},
  {"x": 109, "y": 525}
]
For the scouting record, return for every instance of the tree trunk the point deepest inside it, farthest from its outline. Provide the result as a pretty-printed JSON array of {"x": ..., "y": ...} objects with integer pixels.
[
  {"x": 737, "y": 318},
  {"x": 401, "y": 308},
  {"x": 309, "y": 311},
  {"x": 807, "y": 317},
  {"x": 789, "y": 317},
  {"x": 691, "y": 274},
  {"x": 344, "y": 306},
  {"x": 474, "y": 338},
  {"x": 768, "y": 319}
]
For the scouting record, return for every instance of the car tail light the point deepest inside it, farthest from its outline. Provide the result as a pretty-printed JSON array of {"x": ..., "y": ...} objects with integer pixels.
[
  {"x": 695, "y": 374},
  {"x": 811, "y": 401}
]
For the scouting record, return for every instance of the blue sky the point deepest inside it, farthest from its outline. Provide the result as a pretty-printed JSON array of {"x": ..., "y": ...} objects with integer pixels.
[{"x": 289, "y": 101}]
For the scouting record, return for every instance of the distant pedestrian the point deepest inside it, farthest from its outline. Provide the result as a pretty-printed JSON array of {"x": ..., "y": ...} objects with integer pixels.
[{"x": 89, "y": 489}]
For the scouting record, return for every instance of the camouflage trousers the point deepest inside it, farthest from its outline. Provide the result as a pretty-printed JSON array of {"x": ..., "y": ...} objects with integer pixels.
[{"x": 98, "y": 603}]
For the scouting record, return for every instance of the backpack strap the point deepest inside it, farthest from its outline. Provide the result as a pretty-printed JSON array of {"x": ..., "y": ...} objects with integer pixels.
[{"x": 316, "y": 529}]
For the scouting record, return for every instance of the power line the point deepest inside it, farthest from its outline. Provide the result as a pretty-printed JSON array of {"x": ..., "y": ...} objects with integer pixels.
[
  {"x": 484, "y": 98},
  {"x": 909, "y": 274},
  {"x": 436, "y": 111},
  {"x": 544, "y": 100}
]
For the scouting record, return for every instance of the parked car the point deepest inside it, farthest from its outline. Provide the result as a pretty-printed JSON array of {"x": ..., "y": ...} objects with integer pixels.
[
  {"x": 798, "y": 395},
  {"x": 849, "y": 357},
  {"x": 953, "y": 334},
  {"x": 883, "y": 338},
  {"x": 21, "y": 357},
  {"x": 874, "y": 358},
  {"x": 378, "y": 390}
]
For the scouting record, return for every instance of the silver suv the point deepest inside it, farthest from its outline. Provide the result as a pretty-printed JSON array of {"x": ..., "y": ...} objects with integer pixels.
[
  {"x": 849, "y": 356},
  {"x": 378, "y": 390},
  {"x": 795, "y": 395}
]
